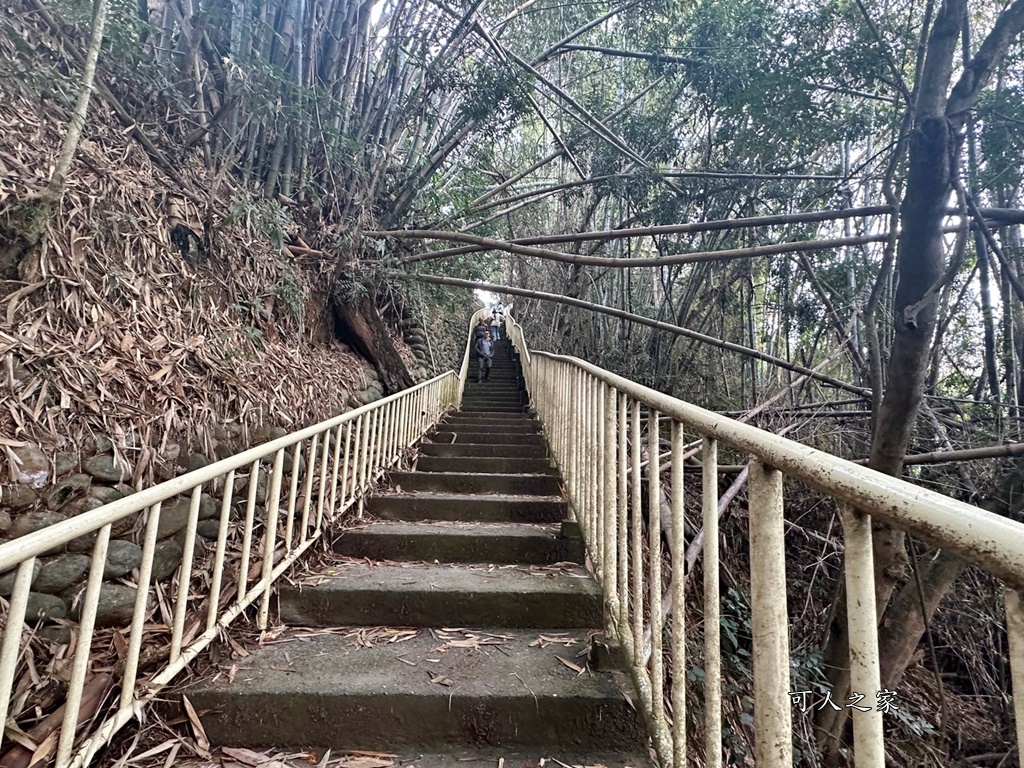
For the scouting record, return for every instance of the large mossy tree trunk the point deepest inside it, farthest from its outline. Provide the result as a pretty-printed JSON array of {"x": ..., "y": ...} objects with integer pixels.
[
  {"x": 361, "y": 326},
  {"x": 934, "y": 162}
]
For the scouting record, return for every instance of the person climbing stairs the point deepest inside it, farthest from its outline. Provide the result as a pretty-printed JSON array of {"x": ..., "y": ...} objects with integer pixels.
[{"x": 486, "y": 618}]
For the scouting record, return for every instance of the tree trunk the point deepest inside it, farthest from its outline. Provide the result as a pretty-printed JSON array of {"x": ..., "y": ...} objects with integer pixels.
[
  {"x": 901, "y": 630},
  {"x": 933, "y": 160},
  {"x": 362, "y": 327}
]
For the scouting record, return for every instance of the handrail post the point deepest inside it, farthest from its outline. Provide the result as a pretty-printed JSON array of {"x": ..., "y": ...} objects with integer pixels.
[
  {"x": 610, "y": 512},
  {"x": 712, "y": 609},
  {"x": 773, "y": 743},
  {"x": 622, "y": 547},
  {"x": 678, "y": 550},
  {"x": 1015, "y": 637},
  {"x": 868, "y": 739}
]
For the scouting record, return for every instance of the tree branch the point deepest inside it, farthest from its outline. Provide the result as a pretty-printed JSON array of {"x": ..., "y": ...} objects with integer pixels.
[{"x": 656, "y": 324}]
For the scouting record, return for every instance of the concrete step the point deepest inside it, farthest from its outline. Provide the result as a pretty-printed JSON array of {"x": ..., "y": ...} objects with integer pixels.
[
  {"x": 493, "y": 408},
  {"x": 483, "y": 450},
  {"x": 464, "y": 542},
  {"x": 456, "y": 423},
  {"x": 480, "y": 508},
  {"x": 448, "y": 690},
  {"x": 489, "y": 758},
  {"x": 494, "y": 399},
  {"x": 484, "y": 437},
  {"x": 485, "y": 464},
  {"x": 465, "y": 482},
  {"x": 408, "y": 595},
  {"x": 518, "y": 416}
]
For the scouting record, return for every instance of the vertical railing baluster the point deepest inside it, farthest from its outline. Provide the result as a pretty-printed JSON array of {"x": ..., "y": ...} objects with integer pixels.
[
  {"x": 131, "y": 664},
  {"x": 307, "y": 500},
  {"x": 610, "y": 511},
  {"x": 678, "y": 550},
  {"x": 185, "y": 573},
  {"x": 622, "y": 575},
  {"x": 597, "y": 463},
  {"x": 1015, "y": 639},
  {"x": 345, "y": 463},
  {"x": 773, "y": 745},
  {"x": 221, "y": 548},
  {"x": 250, "y": 516},
  {"x": 364, "y": 460},
  {"x": 83, "y": 648},
  {"x": 712, "y": 609},
  {"x": 596, "y": 467},
  {"x": 335, "y": 472},
  {"x": 868, "y": 739},
  {"x": 293, "y": 492},
  {"x": 654, "y": 567},
  {"x": 322, "y": 490},
  {"x": 11, "y": 650},
  {"x": 270, "y": 536},
  {"x": 636, "y": 555},
  {"x": 357, "y": 442}
]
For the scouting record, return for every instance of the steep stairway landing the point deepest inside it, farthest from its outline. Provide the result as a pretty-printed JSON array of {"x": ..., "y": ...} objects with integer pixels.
[{"x": 475, "y": 537}]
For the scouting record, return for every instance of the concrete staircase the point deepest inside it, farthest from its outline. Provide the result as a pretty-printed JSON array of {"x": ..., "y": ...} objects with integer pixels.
[{"x": 475, "y": 537}]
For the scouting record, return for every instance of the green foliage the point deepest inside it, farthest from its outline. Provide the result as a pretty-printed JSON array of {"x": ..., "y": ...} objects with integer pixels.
[
  {"x": 265, "y": 219},
  {"x": 1001, "y": 138},
  {"x": 291, "y": 293},
  {"x": 497, "y": 93}
]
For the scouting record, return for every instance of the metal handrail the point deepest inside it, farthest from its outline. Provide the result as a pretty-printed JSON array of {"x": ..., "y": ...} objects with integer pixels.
[
  {"x": 592, "y": 419},
  {"x": 344, "y": 457}
]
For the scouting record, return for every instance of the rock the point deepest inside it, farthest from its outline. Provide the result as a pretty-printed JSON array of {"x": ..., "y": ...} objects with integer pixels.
[
  {"x": 75, "y": 486},
  {"x": 61, "y": 572},
  {"x": 32, "y": 468},
  {"x": 193, "y": 461},
  {"x": 166, "y": 559},
  {"x": 17, "y": 497},
  {"x": 242, "y": 488},
  {"x": 98, "y": 443},
  {"x": 125, "y": 524},
  {"x": 106, "y": 468},
  {"x": 115, "y": 606},
  {"x": 34, "y": 521},
  {"x": 42, "y": 606},
  {"x": 104, "y": 493},
  {"x": 266, "y": 432},
  {"x": 65, "y": 462},
  {"x": 122, "y": 558},
  {"x": 173, "y": 518},
  {"x": 5, "y": 522},
  {"x": 83, "y": 543},
  {"x": 78, "y": 506},
  {"x": 163, "y": 471},
  {"x": 225, "y": 450},
  {"x": 125, "y": 490},
  {"x": 208, "y": 507},
  {"x": 7, "y": 580},
  {"x": 56, "y": 634},
  {"x": 208, "y": 529},
  {"x": 289, "y": 462}
]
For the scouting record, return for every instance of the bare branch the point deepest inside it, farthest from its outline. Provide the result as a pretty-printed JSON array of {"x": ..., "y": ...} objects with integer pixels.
[{"x": 656, "y": 324}]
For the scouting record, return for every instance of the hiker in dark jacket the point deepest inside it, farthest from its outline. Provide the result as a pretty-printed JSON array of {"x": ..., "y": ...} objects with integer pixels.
[
  {"x": 478, "y": 333},
  {"x": 484, "y": 353}
]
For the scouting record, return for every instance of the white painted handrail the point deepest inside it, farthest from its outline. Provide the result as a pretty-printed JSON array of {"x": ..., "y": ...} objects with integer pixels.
[
  {"x": 334, "y": 466},
  {"x": 592, "y": 419}
]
